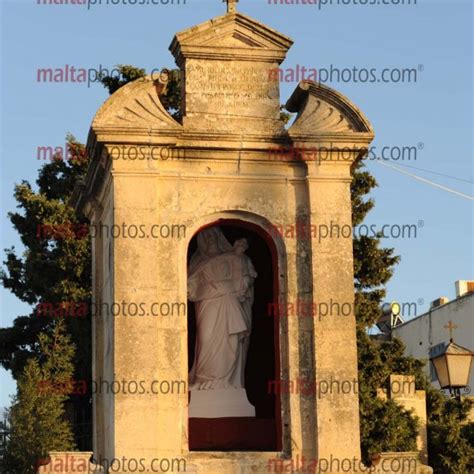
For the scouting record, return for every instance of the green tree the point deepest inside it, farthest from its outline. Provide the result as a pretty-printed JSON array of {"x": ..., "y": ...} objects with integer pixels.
[
  {"x": 450, "y": 436},
  {"x": 55, "y": 267},
  {"x": 385, "y": 426},
  {"x": 37, "y": 416},
  {"x": 126, "y": 74}
]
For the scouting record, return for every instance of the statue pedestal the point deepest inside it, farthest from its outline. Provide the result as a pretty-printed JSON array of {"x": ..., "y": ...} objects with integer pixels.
[{"x": 220, "y": 403}]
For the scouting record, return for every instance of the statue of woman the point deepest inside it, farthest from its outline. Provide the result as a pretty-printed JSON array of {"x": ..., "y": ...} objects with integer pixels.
[{"x": 220, "y": 283}]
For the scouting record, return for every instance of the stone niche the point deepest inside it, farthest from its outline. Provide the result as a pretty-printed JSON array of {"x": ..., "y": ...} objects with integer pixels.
[{"x": 230, "y": 162}]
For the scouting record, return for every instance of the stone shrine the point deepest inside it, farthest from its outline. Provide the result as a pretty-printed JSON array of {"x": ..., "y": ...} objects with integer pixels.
[{"x": 234, "y": 166}]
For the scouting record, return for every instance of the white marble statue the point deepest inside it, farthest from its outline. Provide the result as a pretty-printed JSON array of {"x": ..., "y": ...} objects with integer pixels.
[{"x": 220, "y": 283}]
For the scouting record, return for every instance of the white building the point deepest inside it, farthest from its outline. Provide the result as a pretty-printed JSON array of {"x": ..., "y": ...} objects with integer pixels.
[{"x": 427, "y": 334}]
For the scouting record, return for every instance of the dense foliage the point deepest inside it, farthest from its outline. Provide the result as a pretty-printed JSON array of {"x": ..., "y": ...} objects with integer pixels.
[{"x": 37, "y": 416}]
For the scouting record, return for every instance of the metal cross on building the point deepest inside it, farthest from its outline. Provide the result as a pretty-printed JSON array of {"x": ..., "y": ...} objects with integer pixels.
[{"x": 451, "y": 327}]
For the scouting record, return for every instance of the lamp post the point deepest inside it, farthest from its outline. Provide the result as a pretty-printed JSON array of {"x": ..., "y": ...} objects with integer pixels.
[{"x": 453, "y": 366}]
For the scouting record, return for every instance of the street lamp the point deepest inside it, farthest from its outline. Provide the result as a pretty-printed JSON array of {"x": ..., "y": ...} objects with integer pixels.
[{"x": 453, "y": 366}]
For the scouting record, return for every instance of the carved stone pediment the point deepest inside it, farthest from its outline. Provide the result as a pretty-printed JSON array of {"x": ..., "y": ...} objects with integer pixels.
[
  {"x": 231, "y": 36},
  {"x": 135, "y": 106},
  {"x": 322, "y": 110}
]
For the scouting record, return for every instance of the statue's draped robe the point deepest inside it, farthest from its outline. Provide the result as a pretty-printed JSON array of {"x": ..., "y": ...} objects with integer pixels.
[{"x": 222, "y": 288}]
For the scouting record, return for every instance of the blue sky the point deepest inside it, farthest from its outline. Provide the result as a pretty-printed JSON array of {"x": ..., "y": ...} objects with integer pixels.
[{"x": 434, "y": 114}]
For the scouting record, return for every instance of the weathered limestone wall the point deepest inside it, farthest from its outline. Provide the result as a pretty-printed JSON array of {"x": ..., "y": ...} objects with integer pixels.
[
  {"x": 334, "y": 337},
  {"x": 184, "y": 195},
  {"x": 215, "y": 87},
  {"x": 188, "y": 195}
]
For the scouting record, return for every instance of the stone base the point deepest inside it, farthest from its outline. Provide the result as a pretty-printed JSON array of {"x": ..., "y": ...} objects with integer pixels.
[{"x": 220, "y": 403}]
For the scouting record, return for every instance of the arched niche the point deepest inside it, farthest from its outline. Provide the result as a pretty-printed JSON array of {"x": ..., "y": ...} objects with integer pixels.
[{"x": 264, "y": 432}]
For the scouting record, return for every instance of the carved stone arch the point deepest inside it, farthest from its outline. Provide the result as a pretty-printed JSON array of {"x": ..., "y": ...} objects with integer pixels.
[{"x": 259, "y": 221}]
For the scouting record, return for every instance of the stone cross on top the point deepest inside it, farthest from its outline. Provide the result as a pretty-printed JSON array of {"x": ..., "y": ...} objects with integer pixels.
[{"x": 231, "y": 5}]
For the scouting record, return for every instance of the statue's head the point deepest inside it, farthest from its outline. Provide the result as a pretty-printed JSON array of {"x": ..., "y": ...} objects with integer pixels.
[
  {"x": 212, "y": 242},
  {"x": 241, "y": 245}
]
